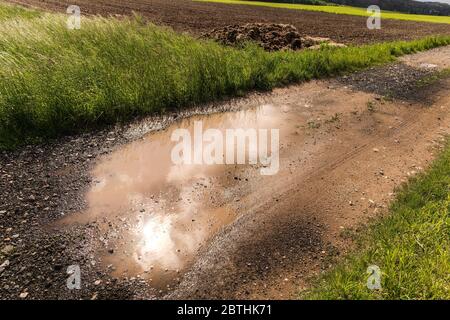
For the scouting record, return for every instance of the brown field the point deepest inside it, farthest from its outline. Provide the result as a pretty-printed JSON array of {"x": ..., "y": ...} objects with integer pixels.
[{"x": 195, "y": 17}]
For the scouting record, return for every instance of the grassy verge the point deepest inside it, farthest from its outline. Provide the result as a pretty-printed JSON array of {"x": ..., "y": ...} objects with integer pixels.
[
  {"x": 55, "y": 81},
  {"x": 8, "y": 11},
  {"x": 339, "y": 10},
  {"x": 411, "y": 246}
]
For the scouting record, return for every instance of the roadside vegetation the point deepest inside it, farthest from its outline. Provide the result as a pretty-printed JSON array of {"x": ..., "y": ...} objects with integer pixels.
[
  {"x": 411, "y": 246},
  {"x": 354, "y": 11},
  {"x": 55, "y": 81},
  {"x": 8, "y": 11}
]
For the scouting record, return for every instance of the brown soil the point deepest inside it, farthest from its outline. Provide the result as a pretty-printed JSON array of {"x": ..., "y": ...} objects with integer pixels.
[{"x": 197, "y": 17}]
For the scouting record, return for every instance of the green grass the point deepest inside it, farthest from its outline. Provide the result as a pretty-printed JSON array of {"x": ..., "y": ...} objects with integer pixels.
[
  {"x": 8, "y": 11},
  {"x": 411, "y": 246},
  {"x": 55, "y": 81},
  {"x": 338, "y": 10}
]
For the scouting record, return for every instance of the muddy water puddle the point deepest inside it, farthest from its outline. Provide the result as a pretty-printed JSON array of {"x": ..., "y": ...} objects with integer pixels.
[{"x": 154, "y": 215}]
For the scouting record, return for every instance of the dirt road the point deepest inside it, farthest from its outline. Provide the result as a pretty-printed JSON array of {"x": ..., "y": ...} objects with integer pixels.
[
  {"x": 139, "y": 227},
  {"x": 197, "y": 17}
]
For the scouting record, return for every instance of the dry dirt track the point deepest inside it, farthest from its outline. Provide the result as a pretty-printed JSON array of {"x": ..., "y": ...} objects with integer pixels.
[
  {"x": 185, "y": 15},
  {"x": 340, "y": 162}
]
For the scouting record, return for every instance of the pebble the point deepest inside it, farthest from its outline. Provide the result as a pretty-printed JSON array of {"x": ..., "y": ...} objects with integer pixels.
[
  {"x": 4, "y": 265},
  {"x": 7, "y": 249}
]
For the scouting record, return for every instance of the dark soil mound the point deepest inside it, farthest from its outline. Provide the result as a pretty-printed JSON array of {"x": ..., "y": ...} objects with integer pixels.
[{"x": 271, "y": 37}]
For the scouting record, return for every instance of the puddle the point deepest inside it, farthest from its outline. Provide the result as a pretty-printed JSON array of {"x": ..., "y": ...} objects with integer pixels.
[
  {"x": 154, "y": 216},
  {"x": 428, "y": 66}
]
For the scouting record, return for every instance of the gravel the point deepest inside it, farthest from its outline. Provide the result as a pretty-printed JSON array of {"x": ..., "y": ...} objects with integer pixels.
[{"x": 395, "y": 81}]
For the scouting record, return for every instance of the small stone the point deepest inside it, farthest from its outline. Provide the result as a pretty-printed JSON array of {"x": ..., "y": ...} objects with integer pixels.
[
  {"x": 7, "y": 249},
  {"x": 376, "y": 150},
  {"x": 23, "y": 295},
  {"x": 97, "y": 282},
  {"x": 4, "y": 265}
]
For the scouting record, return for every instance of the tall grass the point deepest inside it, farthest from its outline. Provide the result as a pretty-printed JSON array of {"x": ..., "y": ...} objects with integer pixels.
[
  {"x": 353, "y": 11},
  {"x": 9, "y": 11},
  {"x": 56, "y": 81},
  {"x": 411, "y": 246}
]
